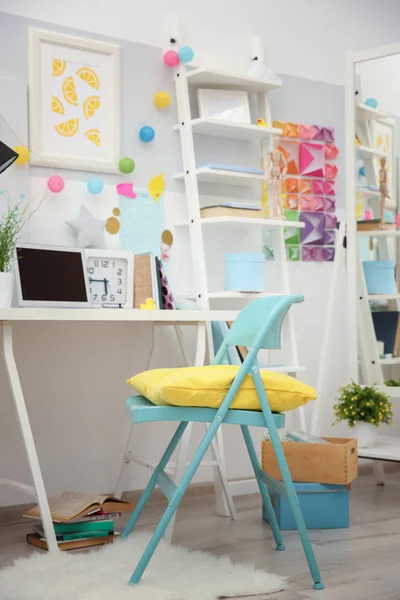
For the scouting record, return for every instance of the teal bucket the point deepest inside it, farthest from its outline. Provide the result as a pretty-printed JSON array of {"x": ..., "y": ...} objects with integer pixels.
[
  {"x": 380, "y": 276},
  {"x": 244, "y": 272}
]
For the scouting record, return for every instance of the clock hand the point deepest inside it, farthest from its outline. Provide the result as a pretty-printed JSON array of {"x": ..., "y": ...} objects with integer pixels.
[{"x": 106, "y": 282}]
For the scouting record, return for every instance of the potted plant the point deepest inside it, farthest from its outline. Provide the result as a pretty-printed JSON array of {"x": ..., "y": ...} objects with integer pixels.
[
  {"x": 365, "y": 408},
  {"x": 12, "y": 220}
]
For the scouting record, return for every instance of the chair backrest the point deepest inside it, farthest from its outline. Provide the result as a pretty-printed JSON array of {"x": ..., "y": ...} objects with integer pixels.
[{"x": 259, "y": 324}]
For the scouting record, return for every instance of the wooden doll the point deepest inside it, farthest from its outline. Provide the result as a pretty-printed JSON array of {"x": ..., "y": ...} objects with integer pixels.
[
  {"x": 383, "y": 189},
  {"x": 276, "y": 172}
]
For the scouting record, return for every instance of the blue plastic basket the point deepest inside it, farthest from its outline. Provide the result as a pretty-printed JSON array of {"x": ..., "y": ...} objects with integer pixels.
[
  {"x": 380, "y": 276},
  {"x": 244, "y": 272}
]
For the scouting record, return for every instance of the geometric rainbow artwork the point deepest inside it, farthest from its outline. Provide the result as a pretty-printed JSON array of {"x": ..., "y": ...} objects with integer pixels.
[{"x": 310, "y": 191}]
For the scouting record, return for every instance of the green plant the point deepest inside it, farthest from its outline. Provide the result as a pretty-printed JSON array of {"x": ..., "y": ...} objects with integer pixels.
[
  {"x": 12, "y": 221},
  {"x": 392, "y": 382},
  {"x": 363, "y": 403}
]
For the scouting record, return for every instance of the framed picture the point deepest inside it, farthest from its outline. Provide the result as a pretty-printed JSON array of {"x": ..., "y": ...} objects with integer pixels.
[
  {"x": 224, "y": 105},
  {"x": 74, "y": 102}
]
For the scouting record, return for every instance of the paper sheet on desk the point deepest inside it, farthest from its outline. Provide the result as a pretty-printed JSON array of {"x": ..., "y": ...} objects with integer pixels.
[{"x": 142, "y": 223}]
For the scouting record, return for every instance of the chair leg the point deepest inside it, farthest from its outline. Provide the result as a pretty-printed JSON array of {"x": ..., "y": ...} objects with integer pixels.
[
  {"x": 263, "y": 488},
  {"x": 175, "y": 501},
  {"x": 153, "y": 479},
  {"x": 287, "y": 480}
]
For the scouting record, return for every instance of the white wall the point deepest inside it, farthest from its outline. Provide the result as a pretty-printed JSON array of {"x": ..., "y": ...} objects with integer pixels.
[{"x": 306, "y": 38}]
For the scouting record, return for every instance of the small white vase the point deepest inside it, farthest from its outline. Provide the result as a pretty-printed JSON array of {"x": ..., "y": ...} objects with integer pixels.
[
  {"x": 366, "y": 434},
  {"x": 6, "y": 289}
]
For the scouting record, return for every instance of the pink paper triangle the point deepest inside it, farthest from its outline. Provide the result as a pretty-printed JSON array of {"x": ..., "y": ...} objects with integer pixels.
[
  {"x": 126, "y": 189},
  {"x": 306, "y": 158}
]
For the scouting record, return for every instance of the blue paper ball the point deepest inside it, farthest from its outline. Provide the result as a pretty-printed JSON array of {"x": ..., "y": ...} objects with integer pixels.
[
  {"x": 147, "y": 133},
  {"x": 185, "y": 54},
  {"x": 94, "y": 185},
  {"x": 371, "y": 102},
  {"x": 361, "y": 172}
]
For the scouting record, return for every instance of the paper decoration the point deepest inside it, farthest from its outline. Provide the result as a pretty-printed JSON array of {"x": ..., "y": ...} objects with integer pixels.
[
  {"x": 292, "y": 235},
  {"x": 329, "y": 253},
  {"x": 113, "y": 224},
  {"x": 292, "y": 130},
  {"x": 307, "y": 132},
  {"x": 329, "y": 236},
  {"x": 312, "y": 203},
  {"x": 126, "y": 189},
  {"x": 311, "y": 159},
  {"x": 310, "y": 253},
  {"x": 142, "y": 223},
  {"x": 330, "y": 171},
  {"x": 291, "y": 185},
  {"x": 325, "y": 134},
  {"x": 293, "y": 253},
  {"x": 291, "y": 202},
  {"x": 88, "y": 229},
  {"x": 330, "y": 204},
  {"x": 318, "y": 186},
  {"x": 280, "y": 125},
  {"x": 156, "y": 187},
  {"x": 329, "y": 188},
  {"x": 290, "y": 151},
  {"x": 331, "y": 152},
  {"x": 305, "y": 186},
  {"x": 330, "y": 221},
  {"x": 313, "y": 232}
]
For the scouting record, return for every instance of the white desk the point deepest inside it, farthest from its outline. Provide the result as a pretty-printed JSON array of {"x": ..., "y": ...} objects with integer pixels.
[{"x": 199, "y": 318}]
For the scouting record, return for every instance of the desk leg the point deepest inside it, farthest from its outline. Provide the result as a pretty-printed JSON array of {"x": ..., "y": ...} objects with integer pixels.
[{"x": 23, "y": 418}]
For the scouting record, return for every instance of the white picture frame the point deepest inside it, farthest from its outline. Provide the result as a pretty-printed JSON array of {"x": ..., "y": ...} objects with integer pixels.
[
  {"x": 117, "y": 254},
  {"x": 74, "y": 102},
  {"x": 50, "y": 304},
  {"x": 231, "y": 106}
]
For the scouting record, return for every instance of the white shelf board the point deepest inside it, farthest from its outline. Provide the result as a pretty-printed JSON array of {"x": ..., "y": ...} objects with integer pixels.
[
  {"x": 386, "y": 448},
  {"x": 395, "y": 360},
  {"x": 283, "y": 369},
  {"x": 240, "y": 295},
  {"x": 380, "y": 233},
  {"x": 208, "y": 175},
  {"x": 391, "y": 391},
  {"x": 366, "y": 152},
  {"x": 221, "y": 79},
  {"x": 115, "y": 314},
  {"x": 270, "y": 223},
  {"x": 384, "y": 296},
  {"x": 234, "y": 131},
  {"x": 366, "y": 113}
]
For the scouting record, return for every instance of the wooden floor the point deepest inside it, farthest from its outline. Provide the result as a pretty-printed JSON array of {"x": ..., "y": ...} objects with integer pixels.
[{"x": 356, "y": 564}]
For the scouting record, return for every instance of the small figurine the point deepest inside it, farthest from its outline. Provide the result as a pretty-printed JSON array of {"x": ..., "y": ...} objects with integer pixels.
[
  {"x": 276, "y": 171},
  {"x": 148, "y": 305},
  {"x": 383, "y": 190}
]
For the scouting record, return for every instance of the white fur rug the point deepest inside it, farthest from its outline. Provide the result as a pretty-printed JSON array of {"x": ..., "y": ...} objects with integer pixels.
[{"x": 173, "y": 574}]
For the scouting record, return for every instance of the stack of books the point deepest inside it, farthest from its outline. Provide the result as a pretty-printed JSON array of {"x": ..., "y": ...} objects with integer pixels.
[
  {"x": 232, "y": 209},
  {"x": 80, "y": 520},
  {"x": 151, "y": 287}
]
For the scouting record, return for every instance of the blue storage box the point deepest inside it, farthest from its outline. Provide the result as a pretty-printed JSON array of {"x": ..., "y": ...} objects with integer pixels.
[
  {"x": 323, "y": 506},
  {"x": 244, "y": 272},
  {"x": 380, "y": 276}
]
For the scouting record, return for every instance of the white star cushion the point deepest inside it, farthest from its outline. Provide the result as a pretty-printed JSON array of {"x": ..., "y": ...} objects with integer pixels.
[{"x": 89, "y": 231}]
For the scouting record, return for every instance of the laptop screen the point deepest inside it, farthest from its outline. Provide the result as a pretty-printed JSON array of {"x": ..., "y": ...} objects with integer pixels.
[{"x": 48, "y": 275}]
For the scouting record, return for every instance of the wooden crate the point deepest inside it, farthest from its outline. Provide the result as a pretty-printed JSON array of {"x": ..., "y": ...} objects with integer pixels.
[{"x": 334, "y": 463}]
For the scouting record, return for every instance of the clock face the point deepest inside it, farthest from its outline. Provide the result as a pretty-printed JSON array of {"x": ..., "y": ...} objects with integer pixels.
[{"x": 107, "y": 280}]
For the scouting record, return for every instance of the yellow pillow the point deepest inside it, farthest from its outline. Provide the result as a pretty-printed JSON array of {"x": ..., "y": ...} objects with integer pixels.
[
  {"x": 207, "y": 387},
  {"x": 148, "y": 384}
]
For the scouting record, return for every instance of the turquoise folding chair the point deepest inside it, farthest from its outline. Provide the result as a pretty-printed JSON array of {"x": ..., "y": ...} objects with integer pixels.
[{"x": 258, "y": 326}]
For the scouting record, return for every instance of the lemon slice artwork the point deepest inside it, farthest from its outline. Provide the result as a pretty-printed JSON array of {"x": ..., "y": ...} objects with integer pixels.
[
  {"x": 90, "y": 106},
  {"x": 69, "y": 92},
  {"x": 57, "y": 106},
  {"x": 59, "y": 67},
  {"x": 93, "y": 135},
  {"x": 67, "y": 128},
  {"x": 90, "y": 76}
]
